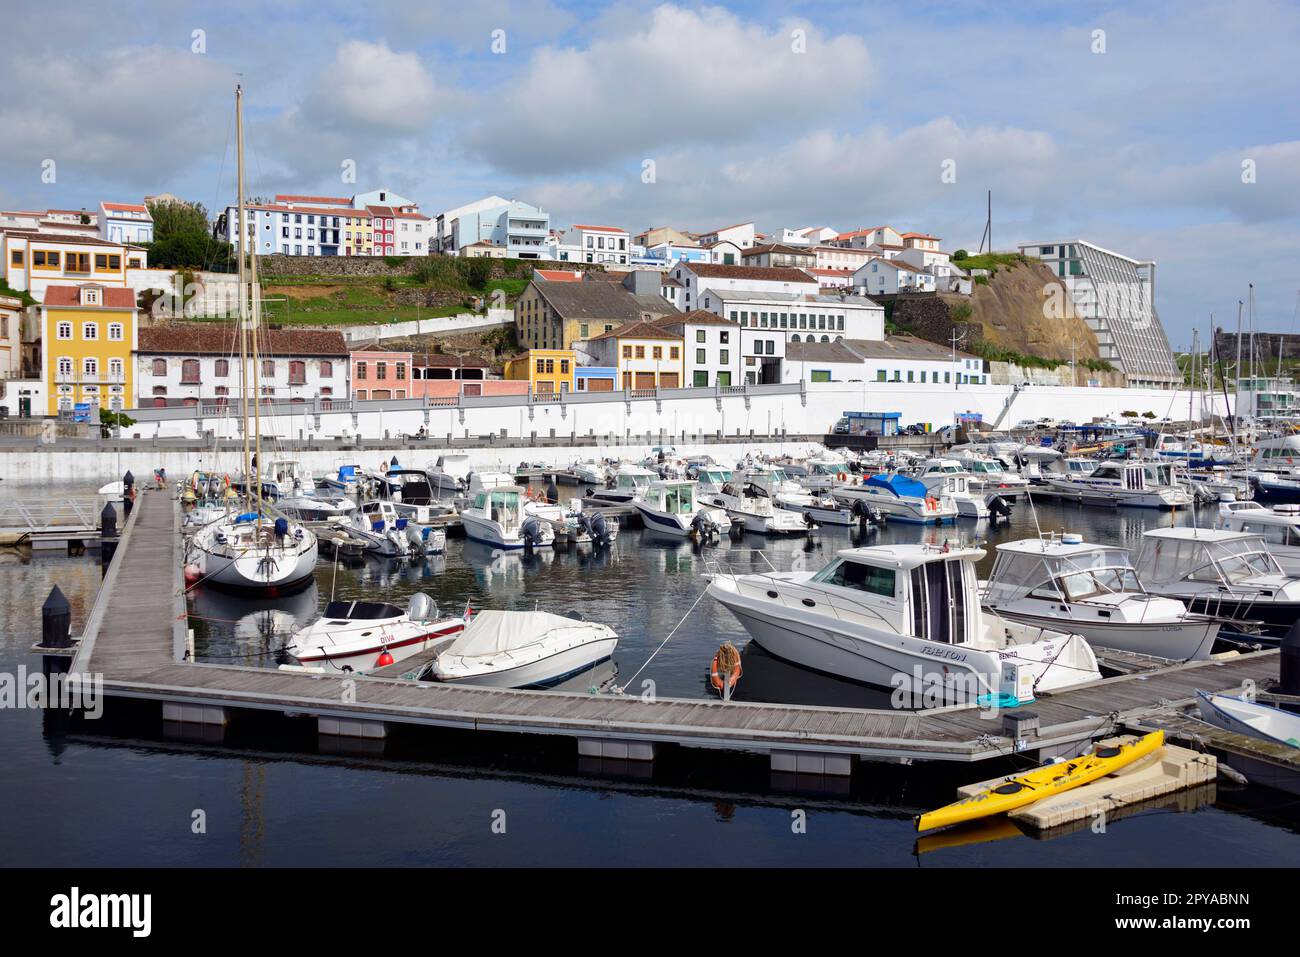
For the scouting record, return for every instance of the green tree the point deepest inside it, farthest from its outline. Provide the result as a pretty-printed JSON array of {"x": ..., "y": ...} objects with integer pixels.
[
  {"x": 181, "y": 238},
  {"x": 959, "y": 255}
]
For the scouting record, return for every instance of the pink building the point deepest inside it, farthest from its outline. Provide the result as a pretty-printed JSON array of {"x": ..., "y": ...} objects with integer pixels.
[{"x": 381, "y": 374}]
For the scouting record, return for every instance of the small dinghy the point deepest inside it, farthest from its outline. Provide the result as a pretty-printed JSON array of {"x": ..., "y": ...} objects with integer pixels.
[
  {"x": 522, "y": 649},
  {"x": 1250, "y": 718}
]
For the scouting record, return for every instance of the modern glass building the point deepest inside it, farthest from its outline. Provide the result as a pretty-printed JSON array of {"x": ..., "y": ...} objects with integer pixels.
[{"x": 1115, "y": 295}]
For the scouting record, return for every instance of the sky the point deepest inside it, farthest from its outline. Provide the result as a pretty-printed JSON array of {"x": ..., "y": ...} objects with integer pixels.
[{"x": 1161, "y": 131}]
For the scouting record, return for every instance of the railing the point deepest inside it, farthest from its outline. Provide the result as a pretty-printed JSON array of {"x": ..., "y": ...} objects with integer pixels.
[{"x": 34, "y": 517}]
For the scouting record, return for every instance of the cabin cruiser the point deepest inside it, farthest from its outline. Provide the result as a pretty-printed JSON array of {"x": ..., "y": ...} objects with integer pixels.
[
  {"x": 361, "y": 636},
  {"x": 569, "y": 523},
  {"x": 1217, "y": 484},
  {"x": 670, "y": 507},
  {"x": 522, "y": 649},
  {"x": 1131, "y": 483},
  {"x": 788, "y": 494},
  {"x": 822, "y": 475},
  {"x": 947, "y": 478},
  {"x": 988, "y": 476},
  {"x": 252, "y": 552},
  {"x": 1041, "y": 581},
  {"x": 414, "y": 493},
  {"x": 389, "y": 534},
  {"x": 496, "y": 516},
  {"x": 752, "y": 510},
  {"x": 907, "y": 617},
  {"x": 1222, "y": 573},
  {"x": 627, "y": 483},
  {"x": 710, "y": 478},
  {"x": 287, "y": 477},
  {"x": 1072, "y": 466},
  {"x": 899, "y": 498},
  {"x": 1279, "y": 526},
  {"x": 590, "y": 473},
  {"x": 449, "y": 475},
  {"x": 315, "y": 506}
]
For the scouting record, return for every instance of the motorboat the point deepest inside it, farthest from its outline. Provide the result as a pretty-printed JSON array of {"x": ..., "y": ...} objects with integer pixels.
[
  {"x": 753, "y": 511},
  {"x": 589, "y": 473},
  {"x": 522, "y": 649},
  {"x": 361, "y": 636},
  {"x": 1070, "y": 466},
  {"x": 449, "y": 474},
  {"x": 822, "y": 475},
  {"x": 346, "y": 481},
  {"x": 1242, "y": 716},
  {"x": 628, "y": 482},
  {"x": 252, "y": 551},
  {"x": 1279, "y": 526},
  {"x": 1221, "y": 573},
  {"x": 906, "y": 617},
  {"x": 390, "y": 534},
  {"x": 316, "y": 506},
  {"x": 1041, "y": 581},
  {"x": 1217, "y": 483},
  {"x": 495, "y": 515},
  {"x": 287, "y": 477},
  {"x": 415, "y": 494},
  {"x": 948, "y": 478},
  {"x": 1135, "y": 484},
  {"x": 789, "y": 494},
  {"x": 570, "y": 524},
  {"x": 988, "y": 476},
  {"x": 899, "y": 497},
  {"x": 670, "y": 507}
]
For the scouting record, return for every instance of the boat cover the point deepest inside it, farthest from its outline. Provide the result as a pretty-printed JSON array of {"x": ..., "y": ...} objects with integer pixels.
[
  {"x": 900, "y": 485},
  {"x": 492, "y": 632}
]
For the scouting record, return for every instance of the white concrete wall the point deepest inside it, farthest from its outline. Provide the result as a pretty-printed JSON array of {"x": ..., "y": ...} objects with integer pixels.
[{"x": 461, "y": 322}]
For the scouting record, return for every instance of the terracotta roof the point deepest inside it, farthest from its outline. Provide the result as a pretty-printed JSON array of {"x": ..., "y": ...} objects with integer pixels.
[
  {"x": 862, "y": 232},
  {"x": 637, "y": 330},
  {"x": 919, "y": 236},
  {"x": 126, "y": 207},
  {"x": 215, "y": 339},
  {"x": 763, "y": 273},
  {"x": 600, "y": 229},
  {"x": 440, "y": 361},
  {"x": 295, "y": 198},
  {"x": 114, "y": 297},
  {"x": 311, "y": 210},
  {"x": 696, "y": 317},
  {"x": 558, "y": 275}
]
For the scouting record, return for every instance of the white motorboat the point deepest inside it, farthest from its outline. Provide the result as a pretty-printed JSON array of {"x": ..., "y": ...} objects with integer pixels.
[
  {"x": 449, "y": 474},
  {"x": 788, "y": 494},
  {"x": 988, "y": 476},
  {"x": 1250, "y": 718},
  {"x": 346, "y": 481},
  {"x": 1043, "y": 581},
  {"x": 670, "y": 507},
  {"x": 822, "y": 475},
  {"x": 522, "y": 649},
  {"x": 947, "y": 478},
  {"x": 390, "y": 534},
  {"x": 1221, "y": 573},
  {"x": 898, "y": 497},
  {"x": 316, "y": 506},
  {"x": 627, "y": 483},
  {"x": 1138, "y": 484},
  {"x": 590, "y": 473},
  {"x": 753, "y": 511},
  {"x": 361, "y": 636},
  {"x": 1279, "y": 526},
  {"x": 906, "y": 617},
  {"x": 496, "y": 516},
  {"x": 252, "y": 552},
  {"x": 415, "y": 494}
]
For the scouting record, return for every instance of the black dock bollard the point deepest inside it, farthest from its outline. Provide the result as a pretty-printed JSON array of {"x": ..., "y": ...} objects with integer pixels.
[
  {"x": 107, "y": 536},
  {"x": 1290, "y": 666},
  {"x": 128, "y": 494},
  {"x": 56, "y": 621}
]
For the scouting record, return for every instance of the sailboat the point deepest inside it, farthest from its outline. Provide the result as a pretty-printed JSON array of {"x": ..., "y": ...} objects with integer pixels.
[{"x": 251, "y": 549}]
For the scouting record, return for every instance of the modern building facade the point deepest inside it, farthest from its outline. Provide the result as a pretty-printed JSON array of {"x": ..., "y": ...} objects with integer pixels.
[
  {"x": 517, "y": 228},
  {"x": 1115, "y": 296}
]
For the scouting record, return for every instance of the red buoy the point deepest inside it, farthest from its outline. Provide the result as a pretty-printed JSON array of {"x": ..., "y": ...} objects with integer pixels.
[{"x": 385, "y": 658}]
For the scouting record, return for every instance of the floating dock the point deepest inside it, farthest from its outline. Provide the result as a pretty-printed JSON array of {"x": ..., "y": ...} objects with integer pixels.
[{"x": 135, "y": 637}]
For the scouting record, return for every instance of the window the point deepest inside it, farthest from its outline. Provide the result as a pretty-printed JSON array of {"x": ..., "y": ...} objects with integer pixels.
[
  {"x": 860, "y": 577},
  {"x": 101, "y": 260},
  {"x": 582, "y": 330},
  {"x": 701, "y": 379},
  {"x": 326, "y": 369},
  {"x": 627, "y": 352},
  {"x": 77, "y": 262},
  {"x": 361, "y": 370},
  {"x": 699, "y": 357},
  {"x": 115, "y": 331},
  {"x": 65, "y": 330},
  {"x": 640, "y": 352},
  {"x": 564, "y": 366},
  {"x": 880, "y": 375},
  {"x": 699, "y": 335},
  {"x": 16, "y": 257},
  {"x": 724, "y": 356},
  {"x": 90, "y": 367},
  {"x": 221, "y": 368},
  {"x": 268, "y": 367},
  {"x": 190, "y": 371},
  {"x": 401, "y": 371},
  {"x": 658, "y": 352},
  {"x": 65, "y": 366},
  {"x": 298, "y": 372},
  {"x": 381, "y": 370},
  {"x": 90, "y": 331}
]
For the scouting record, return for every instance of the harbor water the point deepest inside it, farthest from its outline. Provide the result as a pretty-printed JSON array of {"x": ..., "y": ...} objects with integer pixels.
[{"x": 270, "y": 792}]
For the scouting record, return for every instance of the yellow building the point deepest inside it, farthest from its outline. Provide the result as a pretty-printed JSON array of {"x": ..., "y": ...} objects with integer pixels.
[
  {"x": 547, "y": 370},
  {"x": 88, "y": 337}
]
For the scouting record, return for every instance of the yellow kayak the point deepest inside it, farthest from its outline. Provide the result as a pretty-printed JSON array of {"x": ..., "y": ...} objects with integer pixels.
[{"x": 1050, "y": 779}]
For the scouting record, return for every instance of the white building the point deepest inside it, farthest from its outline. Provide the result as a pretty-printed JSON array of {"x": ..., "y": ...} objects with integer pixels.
[
  {"x": 802, "y": 317},
  {"x": 807, "y": 236},
  {"x": 189, "y": 365},
  {"x": 412, "y": 234},
  {"x": 11, "y": 348},
  {"x": 840, "y": 258},
  {"x": 125, "y": 223},
  {"x": 297, "y": 230},
  {"x": 921, "y": 258},
  {"x": 922, "y": 241},
  {"x": 742, "y": 234},
  {"x": 698, "y": 279},
  {"x": 385, "y": 197},
  {"x": 904, "y": 361},
  {"x": 523, "y": 231},
  {"x": 887, "y": 277},
  {"x": 597, "y": 244},
  {"x": 713, "y": 348},
  {"x": 33, "y": 261},
  {"x": 883, "y": 236}
]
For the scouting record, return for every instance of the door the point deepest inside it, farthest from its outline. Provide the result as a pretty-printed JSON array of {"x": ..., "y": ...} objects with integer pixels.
[
  {"x": 668, "y": 380},
  {"x": 25, "y": 406},
  {"x": 938, "y": 602},
  {"x": 645, "y": 380},
  {"x": 600, "y": 385}
]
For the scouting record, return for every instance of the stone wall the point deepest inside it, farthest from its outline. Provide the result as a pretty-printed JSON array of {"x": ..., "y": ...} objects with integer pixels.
[
  {"x": 1266, "y": 348},
  {"x": 378, "y": 266}
]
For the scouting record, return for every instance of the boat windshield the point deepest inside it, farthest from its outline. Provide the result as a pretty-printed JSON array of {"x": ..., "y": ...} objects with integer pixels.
[
  {"x": 858, "y": 576},
  {"x": 779, "y": 475},
  {"x": 1168, "y": 560},
  {"x": 634, "y": 480},
  {"x": 362, "y": 610},
  {"x": 678, "y": 500},
  {"x": 986, "y": 466},
  {"x": 1076, "y": 577}
]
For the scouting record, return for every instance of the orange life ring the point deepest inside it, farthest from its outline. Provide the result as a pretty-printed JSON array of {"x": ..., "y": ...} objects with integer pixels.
[
  {"x": 725, "y": 673},
  {"x": 841, "y": 476}
]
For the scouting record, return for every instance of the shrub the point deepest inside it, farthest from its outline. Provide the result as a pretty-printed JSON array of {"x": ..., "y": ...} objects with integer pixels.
[{"x": 960, "y": 254}]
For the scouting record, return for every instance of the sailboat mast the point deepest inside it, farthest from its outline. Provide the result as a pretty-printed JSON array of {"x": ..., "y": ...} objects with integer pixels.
[
  {"x": 255, "y": 290},
  {"x": 243, "y": 287}
]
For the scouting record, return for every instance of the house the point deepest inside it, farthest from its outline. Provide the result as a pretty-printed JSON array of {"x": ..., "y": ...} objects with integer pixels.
[
  {"x": 547, "y": 371},
  {"x": 679, "y": 252},
  {"x": 841, "y": 258},
  {"x": 712, "y": 349},
  {"x": 383, "y": 219},
  {"x": 742, "y": 234},
  {"x": 888, "y": 277},
  {"x": 192, "y": 364},
  {"x": 832, "y": 278},
  {"x": 517, "y": 228},
  {"x": 596, "y": 378},
  {"x": 87, "y": 334},
  {"x": 657, "y": 235},
  {"x": 34, "y": 261},
  {"x": 922, "y": 241},
  {"x": 413, "y": 233},
  {"x": 599, "y": 244},
  {"x": 303, "y": 229},
  {"x": 673, "y": 291},
  {"x": 876, "y": 235},
  {"x": 11, "y": 347},
  {"x": 125, "y": 223},
  {"x": 384, "y": 197},
  {"x": 808, "y": 236},
  {"x": 555, "y": 315},
  {"x": 725, "y": 252},
  {"x": 775, "y": 254},
  {"x": 645, "y": 355},
  {"x": 801, "y": 316},
  {"x": 484, "y": 250},
  {"x": 923, "y": 258},
  {"x": 698, "y": 279},
  {"x": 381, "y": 374},
  {"x": 907, "y": 361},
  {"x": 822, "y": 362}
]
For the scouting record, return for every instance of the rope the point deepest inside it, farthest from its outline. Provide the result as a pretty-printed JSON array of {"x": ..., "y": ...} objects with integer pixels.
[{"x": 665, "y": 641}]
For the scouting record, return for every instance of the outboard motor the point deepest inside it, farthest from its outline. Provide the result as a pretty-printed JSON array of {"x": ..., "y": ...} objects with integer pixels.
[
  {"x": 702, "y": 527},
  {"x": 531, "y": 531},
  {"x": 999, "y": 507},
  {"x": 281, "y": 528},
  {"x": 600, "y": 530},
  {"x": 552, "y": 492},
  {"x": 421, "y": 608},
  {"x": 808, "y": 520},
  {"x": 866, "y": 515}
]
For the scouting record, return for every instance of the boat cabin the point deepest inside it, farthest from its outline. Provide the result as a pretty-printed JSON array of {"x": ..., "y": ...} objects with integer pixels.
[
  {"x": 674, "y": 498},
  {"x": 501, "y": 505},
  {"x": 1058, "y": 570},
  {"x": 633, "y": 478},
  {"x": 1279, "y": 525},
  {"x": 1203, "y": 556},
  {"x": 410, "y": 486}
]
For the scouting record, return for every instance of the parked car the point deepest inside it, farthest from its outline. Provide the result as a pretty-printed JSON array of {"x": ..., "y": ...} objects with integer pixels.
[{"x": 841, "y": 427}]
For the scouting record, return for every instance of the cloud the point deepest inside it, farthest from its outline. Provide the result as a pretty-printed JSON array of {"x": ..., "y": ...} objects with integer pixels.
[
  {"x": 674, "y": 76},
  {"x": 370, "y": 87}
]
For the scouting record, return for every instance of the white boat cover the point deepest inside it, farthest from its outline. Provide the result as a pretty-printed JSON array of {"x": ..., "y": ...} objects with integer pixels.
[{"x": 493, "y": 632}]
